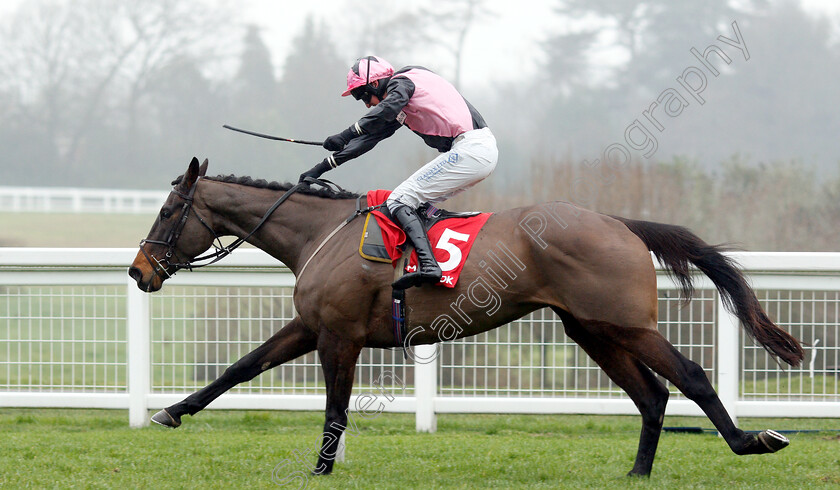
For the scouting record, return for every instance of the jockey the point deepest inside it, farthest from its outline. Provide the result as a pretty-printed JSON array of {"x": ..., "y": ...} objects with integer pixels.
[{"x": 431, "y": 107}]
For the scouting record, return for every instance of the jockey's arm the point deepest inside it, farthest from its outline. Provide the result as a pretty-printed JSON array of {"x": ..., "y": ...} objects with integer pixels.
[
  {"x": 355, "y": 147},
  {"x": 379, "y": 123},
  {"x": 362, "y": 144},
  {"x": 397, "y": 94}
]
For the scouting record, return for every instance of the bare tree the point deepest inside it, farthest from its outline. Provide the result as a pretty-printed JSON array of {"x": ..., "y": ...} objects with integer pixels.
[
  {"x": 446, "y": 27},
  {"x": 451, "y": 23},
  {"x": 67, "y": 64},
  {"x": 34, "y": 67}
]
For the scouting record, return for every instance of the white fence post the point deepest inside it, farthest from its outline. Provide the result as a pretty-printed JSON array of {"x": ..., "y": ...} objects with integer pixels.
[
  {"x": 139, "y": 354},
  {"x": 425, "y": 386},
  {"x": 728, "y": 353}
]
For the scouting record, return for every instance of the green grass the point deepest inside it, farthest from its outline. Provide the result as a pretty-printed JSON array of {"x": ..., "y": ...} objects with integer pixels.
[
  {"x": 240, "y": 449},
  {"x": 69, "y": 230},
  {"x": 73, "y": 230}
]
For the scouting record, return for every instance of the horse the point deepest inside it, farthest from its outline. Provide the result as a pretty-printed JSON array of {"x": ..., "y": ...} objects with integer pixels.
[{"x": 594, "y": 271}]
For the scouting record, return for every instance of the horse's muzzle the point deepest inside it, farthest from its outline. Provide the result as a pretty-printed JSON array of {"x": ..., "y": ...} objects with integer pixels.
[{"x": 144, "y": 276}]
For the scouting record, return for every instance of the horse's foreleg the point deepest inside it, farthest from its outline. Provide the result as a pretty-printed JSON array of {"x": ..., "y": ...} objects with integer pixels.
[
  {"x": 292, "y": 341},
  {"x": 647, "y": 392},
  {"x": 338, "y": 359},
  {"x": 655, "y": 351}
]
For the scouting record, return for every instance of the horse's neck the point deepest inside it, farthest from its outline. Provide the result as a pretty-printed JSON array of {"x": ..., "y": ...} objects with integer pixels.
[{"x": 290, "y": 232}]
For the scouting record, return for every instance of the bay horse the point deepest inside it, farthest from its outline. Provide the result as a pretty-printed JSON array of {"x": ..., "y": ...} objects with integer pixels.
[{"x": 594, "y": 271}]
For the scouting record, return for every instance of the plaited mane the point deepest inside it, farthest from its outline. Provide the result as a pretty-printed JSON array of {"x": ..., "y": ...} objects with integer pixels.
[{"x": 276, "y": 186}]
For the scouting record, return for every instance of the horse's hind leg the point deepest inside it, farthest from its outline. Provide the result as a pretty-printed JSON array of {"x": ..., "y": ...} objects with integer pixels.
[
  {"x": 290, "y": 342},
  {"x": 649, "y": 346},
  {"x": 646, "y": 391},
  {"x": 338, "y": 359}
]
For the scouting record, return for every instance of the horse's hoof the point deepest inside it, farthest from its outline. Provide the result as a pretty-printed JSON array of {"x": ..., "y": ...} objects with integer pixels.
[
  {"x": 773, "y": 441},
  {"x": 165, "y": 419}
]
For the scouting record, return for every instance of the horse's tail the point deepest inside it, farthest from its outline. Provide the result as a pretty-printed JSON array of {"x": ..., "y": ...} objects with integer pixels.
[{"x": 676, "y": 247}]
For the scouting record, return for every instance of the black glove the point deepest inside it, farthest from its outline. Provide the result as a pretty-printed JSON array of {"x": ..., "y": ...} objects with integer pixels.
[
  {"x": 315, "y": 171},
  {"x": 337, "y": 142}
]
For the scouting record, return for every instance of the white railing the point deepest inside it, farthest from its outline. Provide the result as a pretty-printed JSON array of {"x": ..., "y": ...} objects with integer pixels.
[
  {"x": 76, "y": 332},
  {"x": 74, "y": 200}
]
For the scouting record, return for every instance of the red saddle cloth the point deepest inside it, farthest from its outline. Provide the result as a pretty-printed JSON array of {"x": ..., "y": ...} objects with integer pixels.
[{"x": 451, "y": 239}]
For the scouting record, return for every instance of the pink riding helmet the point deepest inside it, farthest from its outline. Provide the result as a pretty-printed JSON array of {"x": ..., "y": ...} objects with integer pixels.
[{"x": 366, "y": 70}]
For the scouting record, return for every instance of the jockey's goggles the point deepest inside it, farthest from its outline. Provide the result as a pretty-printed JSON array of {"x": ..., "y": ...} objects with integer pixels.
[{"x": 361, "y": 93}]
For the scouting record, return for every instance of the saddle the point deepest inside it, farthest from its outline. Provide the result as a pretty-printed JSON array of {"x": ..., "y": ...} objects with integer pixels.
[
  {"x": 372, "y": 245},
  {"x": 451, "y": 235}
]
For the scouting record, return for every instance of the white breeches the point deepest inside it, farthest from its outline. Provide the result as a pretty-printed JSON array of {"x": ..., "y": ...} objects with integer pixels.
[{"x": 472, "y": 157}]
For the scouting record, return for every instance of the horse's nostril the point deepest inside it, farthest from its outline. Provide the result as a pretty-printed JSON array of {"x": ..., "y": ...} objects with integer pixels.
[{"x": 135, "y": 273}]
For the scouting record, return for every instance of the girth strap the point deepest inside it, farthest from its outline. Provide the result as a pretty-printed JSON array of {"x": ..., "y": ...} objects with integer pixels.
[{"x": 399, "y": 309}]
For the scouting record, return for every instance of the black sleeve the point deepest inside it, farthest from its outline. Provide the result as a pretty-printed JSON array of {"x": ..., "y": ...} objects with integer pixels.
[
  {"x": 362, "y": 144},
  {"x": 379, "y": 123},
  {"x": 398, "y": 92}
]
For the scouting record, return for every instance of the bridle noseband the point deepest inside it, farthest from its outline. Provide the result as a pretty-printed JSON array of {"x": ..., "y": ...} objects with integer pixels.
[{"x": 160, "y": 267}]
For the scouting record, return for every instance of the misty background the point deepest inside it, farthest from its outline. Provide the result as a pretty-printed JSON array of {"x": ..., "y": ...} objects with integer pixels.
[{"x": 119, "y": 94}]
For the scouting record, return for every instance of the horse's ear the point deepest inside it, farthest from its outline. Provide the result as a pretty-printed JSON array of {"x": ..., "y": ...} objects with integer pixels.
[
  {"x": 202, "y": 171},
  {"x": 191, "y": 175}
]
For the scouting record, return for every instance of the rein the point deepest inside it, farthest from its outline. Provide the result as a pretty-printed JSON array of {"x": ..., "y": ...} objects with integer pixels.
[
  {"x": 220, "y": 250},
  {"x": 223, "y": 251}
]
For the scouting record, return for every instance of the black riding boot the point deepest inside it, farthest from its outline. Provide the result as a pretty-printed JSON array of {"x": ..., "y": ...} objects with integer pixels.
[{"x": 428, "y": 271}]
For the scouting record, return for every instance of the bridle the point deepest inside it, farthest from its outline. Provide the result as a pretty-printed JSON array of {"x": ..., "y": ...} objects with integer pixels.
[{"x": 160, "y": 267}]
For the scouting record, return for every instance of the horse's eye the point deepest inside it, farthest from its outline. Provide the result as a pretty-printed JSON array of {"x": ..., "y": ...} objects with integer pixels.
[{"x": 165, "y": 214}]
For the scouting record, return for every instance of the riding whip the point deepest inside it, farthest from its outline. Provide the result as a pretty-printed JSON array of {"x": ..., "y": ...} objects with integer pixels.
[{"x": 268, "y": 136}]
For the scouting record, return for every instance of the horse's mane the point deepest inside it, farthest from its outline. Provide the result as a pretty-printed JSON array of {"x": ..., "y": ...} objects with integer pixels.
[{"x": 276, "y": 186}]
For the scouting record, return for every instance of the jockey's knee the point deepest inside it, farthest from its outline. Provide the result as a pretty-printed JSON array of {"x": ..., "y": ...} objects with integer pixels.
[{"x": 395, "y": 202}]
